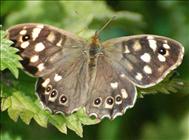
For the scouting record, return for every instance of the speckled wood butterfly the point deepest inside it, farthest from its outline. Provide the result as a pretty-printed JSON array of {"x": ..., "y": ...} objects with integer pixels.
[{"x": 101, "y": 77}]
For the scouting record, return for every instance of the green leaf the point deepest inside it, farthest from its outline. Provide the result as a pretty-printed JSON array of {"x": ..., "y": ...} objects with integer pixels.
[
  {"x": 59, "y": 122},
  {"x": 26, "y": 116},
  {"x": 83, "y": 117},
  {"x": 9, "y": 60},
  {"x": 23, "y": 103},
  {"x": 41, "y": 118},
  {"x": 7, "y": 136},
  {"x": 13, "y": 114},
  {"x": 5, "y": 103}
]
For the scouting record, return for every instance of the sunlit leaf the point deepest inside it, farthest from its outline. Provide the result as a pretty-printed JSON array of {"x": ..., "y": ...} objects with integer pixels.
[{"x": 9, "y": 60}]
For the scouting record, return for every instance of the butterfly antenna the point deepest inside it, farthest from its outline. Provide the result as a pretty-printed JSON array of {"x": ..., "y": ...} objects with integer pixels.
[{"x": 104, "y": 26}]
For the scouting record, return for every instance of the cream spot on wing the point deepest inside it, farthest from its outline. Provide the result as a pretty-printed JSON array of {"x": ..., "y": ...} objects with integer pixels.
[
  {"x": 147, "y": 69},
  {"x": 40, "y": 26},
  {"x": 139, "y": 76},
  {"x": 166, "y": 46},
  {"x": 114, "y": 85},
  {"x": 150, "y": 37},
  {"x": 57, "y": 77},
  {"x": 40, "y": 66},
  {"x": 126, "y": 49},
  {"x": 153, "y": 44},
  {"x": 137, "y": 46},
  {"x": 122, "y": 75},
  {"x": 51, "y": 37},
  {"x": 23, "y": 32},
  {"x": 108, "y": 106},
  {"x": 132, "y": 58},
  {"x": 25, "y": 44},
  {"x": 161, "y": 69},
  {"x": 39, "y": 47},
  {"x": 165, "y": 41},
  {"x": 59, "y": 44},
  {"x": 129, "y": 66},
  {"x": 46, "y": 82},
  {"x": 146, "y": 57},
  {"x": 161, "y": 58},
  {"x": 124, "y": 93},
  {"x": 35, "y": 32},
  {"x": 34, "y": 58}
]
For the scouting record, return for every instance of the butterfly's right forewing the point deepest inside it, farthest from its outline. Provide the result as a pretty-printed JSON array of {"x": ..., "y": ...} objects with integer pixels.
[{"x": 144, "y": 59}]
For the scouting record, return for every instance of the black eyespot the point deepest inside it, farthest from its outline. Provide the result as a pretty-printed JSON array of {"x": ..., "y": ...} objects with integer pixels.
[
  {"x": 25, "y": 37},
  {"x": 162, "y": 51},
  {"x": 97, "y": 101},
  {"x": 118, "y": 98},
  {"x": 63, "y": 99},
  {"x": 53, "y": 93},
  {"x": 48, "y": 88},
  {"x": 110, "y": 101}
]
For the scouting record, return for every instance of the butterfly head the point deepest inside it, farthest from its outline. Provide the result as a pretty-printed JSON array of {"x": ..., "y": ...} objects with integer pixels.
[{"x": 95, "y": 39}]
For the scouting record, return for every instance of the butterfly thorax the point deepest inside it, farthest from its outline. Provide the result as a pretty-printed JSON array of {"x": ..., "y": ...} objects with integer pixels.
[{"x": 95, "y": 49}]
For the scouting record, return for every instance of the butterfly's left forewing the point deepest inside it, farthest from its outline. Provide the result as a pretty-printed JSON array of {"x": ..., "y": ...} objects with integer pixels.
[
  {"x": 43, "y": 47},
  {"x": 144, "y": 59}
]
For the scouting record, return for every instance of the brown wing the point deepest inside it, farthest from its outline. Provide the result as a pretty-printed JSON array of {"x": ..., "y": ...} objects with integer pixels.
[
  {"x": 56, "y": 57},
  {"x": 43, "y": 47},
  {"x": 111, "y": 94},
  {"x": 144, "y": 59}
]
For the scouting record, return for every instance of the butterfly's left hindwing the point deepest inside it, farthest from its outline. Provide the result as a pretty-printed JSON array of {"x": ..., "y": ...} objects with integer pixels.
[{"x": 144, "y": 59}]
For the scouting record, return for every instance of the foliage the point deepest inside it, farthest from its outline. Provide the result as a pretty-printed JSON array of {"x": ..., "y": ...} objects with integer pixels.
[
  {"x": 21, "y": 102},
  {"x": 8, "y": 57},
  {"x": 18, "y": 98}
]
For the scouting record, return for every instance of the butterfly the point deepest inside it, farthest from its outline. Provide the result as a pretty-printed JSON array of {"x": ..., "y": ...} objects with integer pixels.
[{"x": 99, "y": 76}]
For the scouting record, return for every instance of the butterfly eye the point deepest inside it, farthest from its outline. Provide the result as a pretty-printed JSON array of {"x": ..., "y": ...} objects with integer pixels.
[
  {"x": 25, "y": 37},
  {"x": 110, "y": 101},
  {"x": 63, "y": 99},
  {"x": 97, "y": 101},
  {"x": 162, "y": 51},
  {"x": 48, "y": 88},
  {"x": 118, "y": 98},
  {"x": 53, "y": 93}
]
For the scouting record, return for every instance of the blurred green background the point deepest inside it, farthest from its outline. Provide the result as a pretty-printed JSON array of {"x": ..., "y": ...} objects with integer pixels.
[{"x": 154, "y": 117}]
